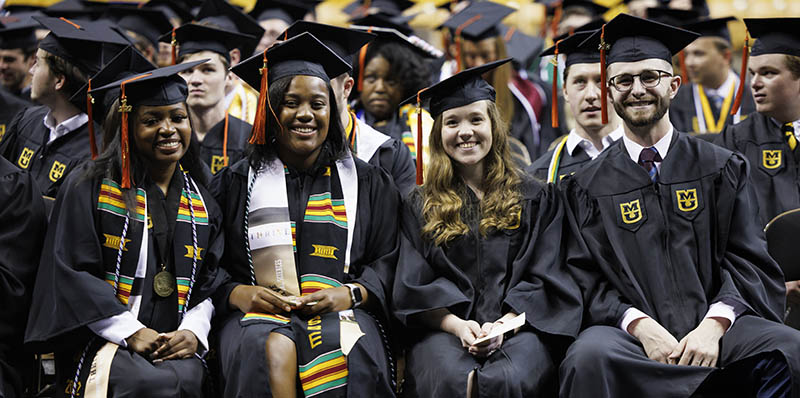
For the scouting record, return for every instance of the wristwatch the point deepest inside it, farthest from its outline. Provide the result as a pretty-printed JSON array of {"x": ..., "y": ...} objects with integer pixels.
[{"x": 355, "y": 294}]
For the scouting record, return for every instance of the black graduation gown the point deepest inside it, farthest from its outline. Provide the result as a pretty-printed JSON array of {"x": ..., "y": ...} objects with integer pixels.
[
  {"x": 72, "y": 291},
  {"x": 212, "y": 145},
  {"x": 568, "y": 165},
  {"x": 481, "y": 279},
  {"x": 683, "y": 115},
  {"x": 394, "y": 127},
  {"x": 25, "y": 145},
  {"x": 774, "y": 167},
  {"x": 22, "y": 229},
  {"x": 670, "y": 249},
  {"x": 394, "y": 157},
  {"x": 10, "y": 105},
  {"x": 372, "y": 263}
]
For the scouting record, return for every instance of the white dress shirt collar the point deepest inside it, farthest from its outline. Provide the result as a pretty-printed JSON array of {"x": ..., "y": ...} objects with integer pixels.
[
  {"x": 574, "y": 140},
  {"x": 662, "y": 146},
  {"x": 64, "y": 127}
]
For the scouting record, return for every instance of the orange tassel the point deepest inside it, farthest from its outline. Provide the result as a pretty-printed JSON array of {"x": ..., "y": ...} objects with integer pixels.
[
  {"x": 460, "y": 40},
  {"x": 76, "y": 26},
  {"x": 125, "y": 109},
  {"x": 682, "y": 66},
  {"x": 258, "y": 135},
  {"x": 362, "y": 56},
  {"x": 174, "y": 44},
  {"x": 419, "y": 138},
  {"x": 89, "y": 102},
  {"x": 745, "y": 58},
  {"x": 225, "y": 142},
  {"x": 603, "y": 77},
  {"x": 554, "y": 104}
]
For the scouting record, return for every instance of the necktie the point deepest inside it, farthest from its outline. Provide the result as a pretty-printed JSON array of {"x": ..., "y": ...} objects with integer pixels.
[
  {"x": 648, "y": 158},
  {"x": 788, "y": 131},
  {"x": 717, "y": 100}
]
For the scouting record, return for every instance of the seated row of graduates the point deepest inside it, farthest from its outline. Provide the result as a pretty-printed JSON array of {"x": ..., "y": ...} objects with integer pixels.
[{"x": 140, "y": 255}]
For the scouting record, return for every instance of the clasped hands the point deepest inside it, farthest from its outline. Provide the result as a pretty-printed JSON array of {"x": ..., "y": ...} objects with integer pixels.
[
  {"x": 698, "y": 348},
  {"x": 468, "y": 331},
  {"x": 247, "y": 298},
  {"x": 158, "y": 347}
]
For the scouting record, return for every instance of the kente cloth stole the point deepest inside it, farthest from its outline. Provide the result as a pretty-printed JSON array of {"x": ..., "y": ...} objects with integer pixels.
[
  {"x": 136, "y": 257},
  {"x": 321, "y": 256}
]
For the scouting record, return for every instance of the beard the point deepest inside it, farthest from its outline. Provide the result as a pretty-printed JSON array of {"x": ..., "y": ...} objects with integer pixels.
[{"x": 643, "y": 119}]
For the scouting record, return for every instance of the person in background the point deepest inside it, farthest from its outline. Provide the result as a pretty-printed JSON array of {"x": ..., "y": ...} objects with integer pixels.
[
  {"x": 18, "y": 45},
  {"x": 144, "y": 25}
]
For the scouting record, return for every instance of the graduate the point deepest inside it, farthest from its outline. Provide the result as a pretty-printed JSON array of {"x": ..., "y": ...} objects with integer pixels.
[
  {"x": 52, "y": 139},
  {"x": 704, "y": 105},
  {"x": 681, "y": 295},
  {"x": 144, "y": 25},
  {"x": 130, "y": 259},
  {"x": 769, "y": 139},
  {"x": 18, "y": 45},
  {"x": 481, "y": 244},
  {"x": 582, "y": 93},
  {"x": 311, "y": 242},
  {"x": 521, "y": 102},
  {"x": 222, "y": 136},
  {"x": 366, "y": 143},
  {"x": 21, "y": 234}
]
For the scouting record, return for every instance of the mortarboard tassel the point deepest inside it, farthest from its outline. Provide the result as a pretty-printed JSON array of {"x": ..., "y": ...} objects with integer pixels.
[
  {"x": 603, "y": 77},
  {"x": 554, "y": 104},
  {"x": 174, "y": 44},
  {"x": 258, "y": 135},
  {"x": 556, "y": 18},
  {"x": 89, "y": 102},
  {"x": 225, "y": 142},
  {"x": 124, "y": 108},
  {"x": 76, "y": 26},
  {"x": 682, "y": 66},
  {"x": 745, "y": 58},
  {"x": 362, "y": 57},
  {"x": 459, "y": 40},
  {"x": 419, "y": 138}
]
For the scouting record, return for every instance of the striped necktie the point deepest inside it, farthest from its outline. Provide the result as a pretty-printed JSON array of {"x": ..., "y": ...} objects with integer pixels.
[
  {"x": 648, "y": 158},
  {"x": 788, "y": 131}
]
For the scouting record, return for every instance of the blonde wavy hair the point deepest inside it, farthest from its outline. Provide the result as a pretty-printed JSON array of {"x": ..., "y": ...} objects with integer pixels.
[{"x": 501, "y": 205}]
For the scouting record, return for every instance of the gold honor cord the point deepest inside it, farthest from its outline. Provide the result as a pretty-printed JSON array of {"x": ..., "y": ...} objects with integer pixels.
[
  {"x": 555, "y": 161},
  {"x": 711, "y": 126}
]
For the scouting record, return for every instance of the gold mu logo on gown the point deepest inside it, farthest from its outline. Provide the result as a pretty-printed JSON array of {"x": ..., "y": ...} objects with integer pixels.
[
  {"x": 631, "y": 211},
  {"x": 324, "y": 251},
  {"x": 217, "y": 163},
  {"x": 25, "y": 158},
  {"x": 772, "y": 158},
  {"x": 57, "y": 170},
  {"x": 687, "y": 199}
]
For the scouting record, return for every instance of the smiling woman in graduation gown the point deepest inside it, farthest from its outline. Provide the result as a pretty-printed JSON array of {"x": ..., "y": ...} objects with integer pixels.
[
  {"x": 129, "y": 262},
  {"x": 340, "y": 249},
  {"x": 452, "y": 290}
]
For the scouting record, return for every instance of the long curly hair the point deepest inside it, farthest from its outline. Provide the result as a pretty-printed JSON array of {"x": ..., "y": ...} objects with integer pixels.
[{"x": 442, "y": 203}]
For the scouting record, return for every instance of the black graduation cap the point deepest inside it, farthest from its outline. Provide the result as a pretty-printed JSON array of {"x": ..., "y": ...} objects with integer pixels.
[
  {"x": 592, "y": 25},
  {"x": 716, "y": 27},
  {"x": 344, "y": 42},
  {"x": 574, "y": 50},
  {"x": 671, "y": 16},
  {"x": 461, "y": 89},
  {"x": 227, "y": 17},
  {"x": 523, "y": 49},
  {"x": 360, "y": 8},
  {"x": 195, "y": 37},
  {"x": 384, "y": 20},
  {"x": 480, "y": 20},
  {"x": 172, "y": 9},
  {"x": 630, "y": 39},
  {"x": 774, "y": 35},
  {"x": 591, "y": 7},
  {"x": 301, "y": 55},
  {"x": 285, "y": 10},
  {"x": 420, "y": 46},
  {"x": 19, "y": 31},
  {"x": 157, "y": 87},
  {"x": 76, "y": 9},
  {"x": 86, "y": 45},
  {"x": 148, "y": 22}
]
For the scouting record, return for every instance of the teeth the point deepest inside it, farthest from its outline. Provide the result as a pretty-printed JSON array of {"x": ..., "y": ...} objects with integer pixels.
[
  {"x": 169, "y": 144},
  {"x": 466, "y": 145},
  {"x": 304, "y": 130}
]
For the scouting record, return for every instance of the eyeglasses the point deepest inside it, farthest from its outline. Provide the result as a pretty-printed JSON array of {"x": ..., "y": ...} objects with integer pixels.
[{"x": 649, "y": 79}]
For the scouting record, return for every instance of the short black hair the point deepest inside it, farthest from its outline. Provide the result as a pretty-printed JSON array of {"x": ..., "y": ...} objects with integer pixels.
[{"x": 405, "y": 65}]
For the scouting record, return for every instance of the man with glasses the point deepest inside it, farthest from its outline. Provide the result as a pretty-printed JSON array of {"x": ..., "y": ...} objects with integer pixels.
[{"x": 681, "y": 295}]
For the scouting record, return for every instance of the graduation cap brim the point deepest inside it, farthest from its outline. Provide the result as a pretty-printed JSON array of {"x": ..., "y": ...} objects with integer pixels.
[
  {"x": 592, "y": 25},
  {"x": 574, "y": 50},
  {"x": 148, "y": 22},
  {"x": 19, "y": 31},
  {"x": 292, "y": 10},
  {"x": 416, "y": 44},
  {"x": 633, "y": 39},
  {"x": 157, "y": 87},
  {"x": 590, "y": 6},
  {"x": 479, "y": 20},
  {"x": 86, "y": 45},
  {"x": 127, "y": 63},
  {"x": 242, "y": 23},
  {"x": 716, "y": 27},
  {"x": 774, "y": 35},
  {"x": 303, "y": 55},
  {"x": 176, "y": 9},
  {"x": 671, "y": 16},
  {"x": 193, "y": 38},
  {"x": 76, "y": 9},
  {"x": 522, "y": 48},
  {"x": 458, "y": 90},
  {"x": 343, "y": 41},
  {"x": 382, "y": 20}
]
